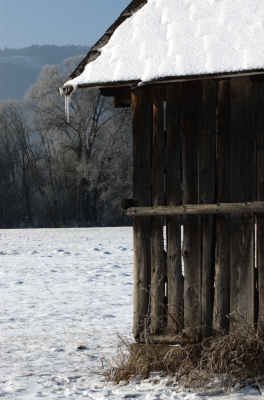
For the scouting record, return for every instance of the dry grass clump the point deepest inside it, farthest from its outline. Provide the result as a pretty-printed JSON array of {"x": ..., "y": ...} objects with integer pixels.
[{"x": 237, "y": 357}]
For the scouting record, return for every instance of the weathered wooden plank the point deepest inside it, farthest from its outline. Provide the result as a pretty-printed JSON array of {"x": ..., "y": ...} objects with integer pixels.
[
  {"x": 157, "y": 243},
  {"x": 207, "y": 195},
  {"x": 190, "y": 103},
  {"x": 242, "y": 188},
  {"x": 259, "y": 118},
  {"x": 173, "y": 156},
  {"x": 222, "y": 264},
  {"x": 142, "y": 131},
  {"x": 196, "y": 209}
]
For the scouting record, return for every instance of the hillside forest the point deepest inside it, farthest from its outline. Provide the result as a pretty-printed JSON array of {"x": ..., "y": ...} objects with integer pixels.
[
  {"x": 19, "y": 68},
  {"x": 54, "y": 173}
]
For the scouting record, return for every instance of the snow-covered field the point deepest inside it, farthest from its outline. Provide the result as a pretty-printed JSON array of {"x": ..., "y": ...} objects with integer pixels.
[{"x": 64, "y": 295}]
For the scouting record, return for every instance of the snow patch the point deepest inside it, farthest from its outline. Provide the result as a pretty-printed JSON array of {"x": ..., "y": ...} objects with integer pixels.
[
  {"x": 33, "y": 252},
  {"x": 55, "y": 331}
]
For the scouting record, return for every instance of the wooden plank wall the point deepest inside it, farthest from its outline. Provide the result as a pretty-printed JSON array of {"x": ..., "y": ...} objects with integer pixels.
[
  {"x": 173, "y": 175},
  {"x": 142, "y": 132},
  {"x": 158, "y": 196},
  {"x": 190, "y": 125},
  {"x": 211, "y": 150},
  {"x": 208, "y": 196},
  {"x": 259, "y": 127},
  {"x": 242, "y": 188},
  {"x": 222, "y": 258}
]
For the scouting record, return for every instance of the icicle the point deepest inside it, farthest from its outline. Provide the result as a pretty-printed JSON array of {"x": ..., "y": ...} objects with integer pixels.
[
  {"x": 67, "y": 107},
  {"x": 66, "y": 92}
]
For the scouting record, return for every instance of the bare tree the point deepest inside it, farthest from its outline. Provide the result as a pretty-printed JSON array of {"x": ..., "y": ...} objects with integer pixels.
[
  {"x": 63, "y": 173},
  {"x": 15, "y": 140}
]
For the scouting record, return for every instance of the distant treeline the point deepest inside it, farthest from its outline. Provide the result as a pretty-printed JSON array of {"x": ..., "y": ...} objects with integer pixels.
[
  {"x": 48, "y": 53},
  {"x": 54, "y": 173},
  {"x": 19, "y": 68}
]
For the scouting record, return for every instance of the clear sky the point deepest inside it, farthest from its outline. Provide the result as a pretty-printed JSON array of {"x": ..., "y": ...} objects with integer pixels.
[{"x": 59, "y": 22}]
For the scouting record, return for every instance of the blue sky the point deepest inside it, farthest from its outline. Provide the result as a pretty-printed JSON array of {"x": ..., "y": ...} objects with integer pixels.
[{"x": 59, "y": 22}]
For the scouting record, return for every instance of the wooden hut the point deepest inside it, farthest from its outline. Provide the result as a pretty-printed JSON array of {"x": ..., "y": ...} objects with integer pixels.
[{"x": 193, "y": 71}]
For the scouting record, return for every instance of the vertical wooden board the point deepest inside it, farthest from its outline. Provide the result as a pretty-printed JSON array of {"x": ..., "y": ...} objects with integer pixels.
[
  {"x": 222, "y": 265},
  {"x": 142, "y": 131},
  {"x": 242, "y": 188},
  {"x": 207, "y": 196},
  {"x": 190, "y": 126},
  {"x": 173, "y": 157},
  {"x": 157, "y": 245},
  {"x": 259, "y": 118}
]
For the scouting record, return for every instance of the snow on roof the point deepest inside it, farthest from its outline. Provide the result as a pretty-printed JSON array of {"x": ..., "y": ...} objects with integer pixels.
[{"x": 173, "y": 38}]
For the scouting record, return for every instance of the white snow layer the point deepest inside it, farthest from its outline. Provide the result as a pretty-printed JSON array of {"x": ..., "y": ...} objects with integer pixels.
[
  {"x": 181, "y": 37},
  {"x": 64, "y": 295}
]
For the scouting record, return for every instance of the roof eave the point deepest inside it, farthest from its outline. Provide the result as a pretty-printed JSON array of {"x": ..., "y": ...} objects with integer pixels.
[
  {"x": 165, "y": 80},
  {"x": 215, "y": 75}
]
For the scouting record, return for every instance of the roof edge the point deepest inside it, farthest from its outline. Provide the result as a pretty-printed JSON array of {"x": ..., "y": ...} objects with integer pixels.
[
  {"x": 94, "y": 53},
  {"x": 67, "y": 90},
  {"x": 216, "y": 75}
]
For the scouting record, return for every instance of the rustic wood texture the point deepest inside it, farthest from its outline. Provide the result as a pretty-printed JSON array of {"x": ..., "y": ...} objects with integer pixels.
[
  {"x": 190, "y": 125},
  {"x": 142, "y": 131},
  {"x": 213, "y": 164},
  {"x": 157, "y": 241},
  {"x": 173, "y": 157},
  {"x": 196, "y": 209},
  {"x": 242, "y": 189},
  {"x": 222, "y": 262},
  {"x": 207, "y": 196},
  {"x": 259, "y": 118}
]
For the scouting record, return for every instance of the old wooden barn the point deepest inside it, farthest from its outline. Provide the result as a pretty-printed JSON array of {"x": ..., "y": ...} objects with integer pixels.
[{"x": 193, "y": 72}]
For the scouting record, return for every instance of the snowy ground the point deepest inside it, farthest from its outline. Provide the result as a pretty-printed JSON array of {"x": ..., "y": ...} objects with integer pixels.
[{"x": 62, "y": 289}]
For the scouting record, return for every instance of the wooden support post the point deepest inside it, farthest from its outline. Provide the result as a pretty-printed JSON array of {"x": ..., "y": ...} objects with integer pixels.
[
  {"x": 157, "y": 244},
  {"x": 242, "y": 188},
  {"x": 259, "y": 117},
  {"x": 222, "y": 265},
  {"x": 173, "y": 156},
  {"x": 142, "y": 131},
  {"x": 190, "y": 100},
  {"x": 207, "y": 196}
]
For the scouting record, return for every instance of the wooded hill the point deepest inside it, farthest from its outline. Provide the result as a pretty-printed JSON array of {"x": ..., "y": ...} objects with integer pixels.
[{"x": 19, "y": 68}]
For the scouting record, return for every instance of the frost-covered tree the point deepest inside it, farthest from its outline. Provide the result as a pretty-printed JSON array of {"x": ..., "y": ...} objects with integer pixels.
[{"x": 74, "y": 173}]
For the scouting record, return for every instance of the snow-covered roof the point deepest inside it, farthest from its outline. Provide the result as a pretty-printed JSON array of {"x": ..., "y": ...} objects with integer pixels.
[{"x": 176, "y": 38}]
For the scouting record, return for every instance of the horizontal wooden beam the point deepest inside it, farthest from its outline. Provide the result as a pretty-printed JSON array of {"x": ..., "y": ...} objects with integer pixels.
[{"x": 221, "y": 208}]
